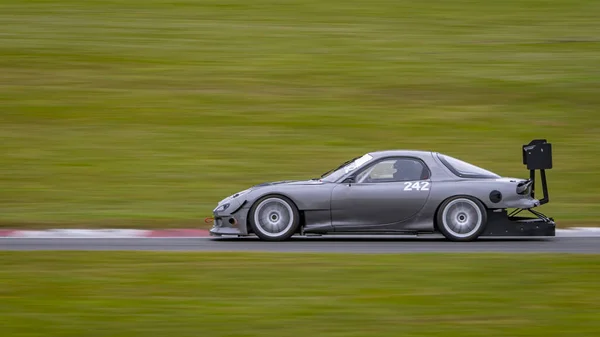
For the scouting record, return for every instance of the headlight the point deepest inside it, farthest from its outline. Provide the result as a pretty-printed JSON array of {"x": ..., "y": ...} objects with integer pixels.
[
  {"x": 222, "y": 208},
  {"x": 226, "y": 201}
]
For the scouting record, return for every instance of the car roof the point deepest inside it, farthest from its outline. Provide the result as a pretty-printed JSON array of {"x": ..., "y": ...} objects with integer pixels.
[{"x": 412, "y": 153}]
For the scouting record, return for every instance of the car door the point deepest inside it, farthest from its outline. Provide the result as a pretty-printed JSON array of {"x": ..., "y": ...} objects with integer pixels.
[{"x": 382, "y": 195}]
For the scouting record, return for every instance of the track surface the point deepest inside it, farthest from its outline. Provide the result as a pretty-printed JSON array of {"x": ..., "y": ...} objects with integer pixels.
[{"x": 589, "y": 245}]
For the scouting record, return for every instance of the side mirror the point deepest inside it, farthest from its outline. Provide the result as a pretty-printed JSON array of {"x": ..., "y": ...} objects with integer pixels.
[{"x": 349, "y": 180}]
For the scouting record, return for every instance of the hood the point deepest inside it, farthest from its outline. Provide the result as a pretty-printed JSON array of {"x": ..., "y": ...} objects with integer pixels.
[
  {"x": 290, "y": 182},
  {"x": 236, "y": 200}
]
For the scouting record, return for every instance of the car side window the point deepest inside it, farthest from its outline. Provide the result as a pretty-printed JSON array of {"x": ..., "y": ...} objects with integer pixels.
[{"x": 394, "y": 170}]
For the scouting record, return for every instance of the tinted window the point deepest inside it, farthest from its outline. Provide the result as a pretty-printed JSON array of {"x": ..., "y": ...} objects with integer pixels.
[
  {"x": 464, "y": 169},
  {"x": 393, "y": 170}
]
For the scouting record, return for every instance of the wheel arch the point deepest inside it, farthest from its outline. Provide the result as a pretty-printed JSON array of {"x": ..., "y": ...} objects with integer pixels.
[
  {"x": 268, "y": 195},
  {"x": 437, "y": 209}
]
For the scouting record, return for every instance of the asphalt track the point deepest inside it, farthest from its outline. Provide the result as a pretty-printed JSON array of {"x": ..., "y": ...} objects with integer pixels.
[{"x": 585, "y": 245}]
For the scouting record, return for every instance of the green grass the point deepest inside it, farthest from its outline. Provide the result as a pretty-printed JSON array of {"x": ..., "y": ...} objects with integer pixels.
[
  {"x": 228, "y": 294},
  {"x": 146, "y": 113}
]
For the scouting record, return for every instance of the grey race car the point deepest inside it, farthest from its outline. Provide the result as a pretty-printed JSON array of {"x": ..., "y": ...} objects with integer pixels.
[{"x": 394, "y": 192}]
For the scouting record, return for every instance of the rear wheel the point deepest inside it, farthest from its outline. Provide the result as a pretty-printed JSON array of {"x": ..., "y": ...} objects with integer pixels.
[
  {"x": 274, "y": 218},
  {"x": 461, "y": 218}
]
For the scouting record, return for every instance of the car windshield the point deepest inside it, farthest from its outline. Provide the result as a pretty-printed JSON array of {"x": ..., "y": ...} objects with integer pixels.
[
  {"x": 346, "y": 167},
  {"x": 464, "y": 169}
]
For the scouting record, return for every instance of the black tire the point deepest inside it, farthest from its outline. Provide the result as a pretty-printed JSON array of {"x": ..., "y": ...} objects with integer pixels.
[
  {"x": 461, "y": 218},
  {"x": 274, "y": 218}
]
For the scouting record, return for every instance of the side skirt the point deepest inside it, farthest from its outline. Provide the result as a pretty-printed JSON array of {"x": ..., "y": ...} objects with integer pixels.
[{"x": 500, "y": 223}]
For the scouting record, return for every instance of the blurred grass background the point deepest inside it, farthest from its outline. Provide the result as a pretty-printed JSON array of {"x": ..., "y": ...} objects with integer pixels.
[
  {"x": 146, "y": 113},
  {"x": 250, "y": 294}
]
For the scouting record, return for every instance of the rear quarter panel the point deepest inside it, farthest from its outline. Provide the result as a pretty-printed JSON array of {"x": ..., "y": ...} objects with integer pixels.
[{"x": 482, "y": 190}]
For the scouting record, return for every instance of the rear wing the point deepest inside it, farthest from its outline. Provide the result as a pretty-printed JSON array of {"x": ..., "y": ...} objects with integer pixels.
[{"x": 537, "y": 155}]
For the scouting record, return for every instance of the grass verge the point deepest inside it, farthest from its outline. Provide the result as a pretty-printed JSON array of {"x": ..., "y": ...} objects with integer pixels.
[
  {"x": 138, "y": 112},
  {"x": 227, "y": 294}
]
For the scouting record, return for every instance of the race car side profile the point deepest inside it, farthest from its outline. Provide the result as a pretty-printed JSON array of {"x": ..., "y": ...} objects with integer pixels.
[{"x": 394, "y": 192}]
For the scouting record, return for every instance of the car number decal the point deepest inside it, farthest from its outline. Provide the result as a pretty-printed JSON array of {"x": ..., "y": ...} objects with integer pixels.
[{"x": 419, "y": 186}]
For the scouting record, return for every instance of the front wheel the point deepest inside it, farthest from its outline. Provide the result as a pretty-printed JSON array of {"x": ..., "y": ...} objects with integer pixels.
[
  {"x": 462, "y": 218},
  {"x": 274, "y": 218}
]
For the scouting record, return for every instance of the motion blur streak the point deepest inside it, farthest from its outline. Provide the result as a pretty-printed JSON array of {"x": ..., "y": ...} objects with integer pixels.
[
  {"x": 135, "y": 112},
  {"x": 144, "y": 114}
]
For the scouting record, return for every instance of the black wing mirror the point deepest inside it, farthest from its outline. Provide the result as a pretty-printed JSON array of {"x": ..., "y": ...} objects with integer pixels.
[{"x": 349, "y": 180}]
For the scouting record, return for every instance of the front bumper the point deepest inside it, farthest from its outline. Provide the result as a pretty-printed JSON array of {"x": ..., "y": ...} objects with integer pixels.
[
  {"x": 230, "y": 224},
  {"x": 224, "y": 231}
]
